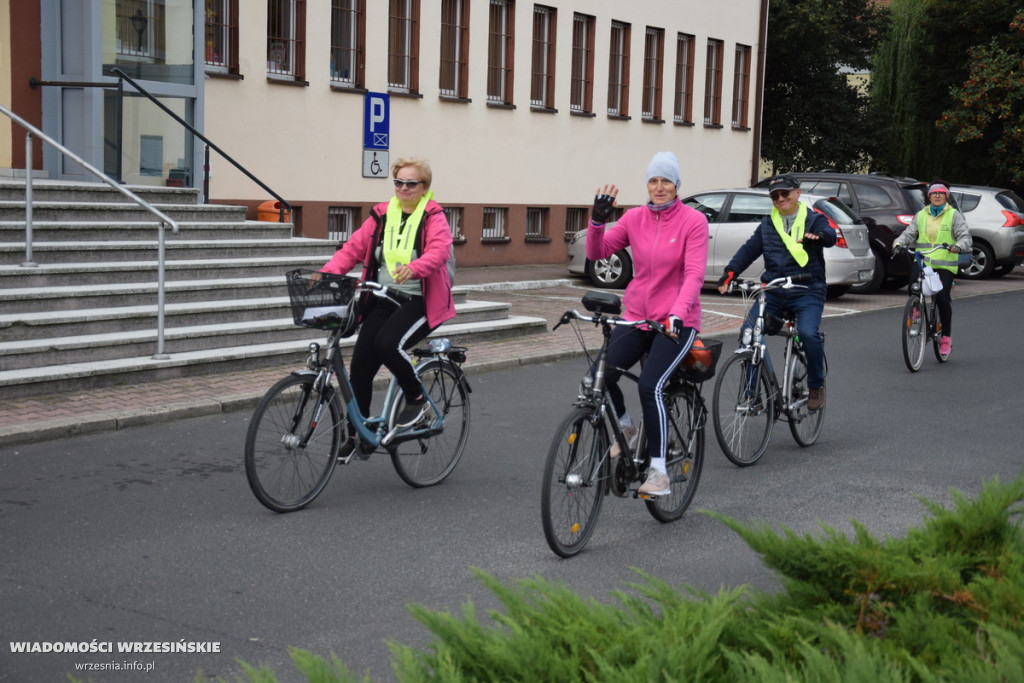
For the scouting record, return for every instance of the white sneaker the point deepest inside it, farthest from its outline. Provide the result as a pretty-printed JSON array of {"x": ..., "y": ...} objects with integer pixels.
[
  {"x": 657, "y": 484},
  {"x": 630, "y": 433}
]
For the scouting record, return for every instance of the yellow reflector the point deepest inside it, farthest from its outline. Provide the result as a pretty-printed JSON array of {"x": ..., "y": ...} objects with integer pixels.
[
  {"x": 575, "y": 528},
  {"x": 572, "y": 439}
]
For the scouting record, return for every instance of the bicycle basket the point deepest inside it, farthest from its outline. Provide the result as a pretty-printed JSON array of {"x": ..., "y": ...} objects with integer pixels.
[
  {"x": 699, "y": 364},
  {"x": 324, "y": 301}
]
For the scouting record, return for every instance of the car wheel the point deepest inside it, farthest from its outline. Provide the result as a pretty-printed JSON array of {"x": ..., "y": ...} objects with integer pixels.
[
  {"x": 836, "y": 291},
  {"x": 614, "y": 272},
  {"x": 1005, "y": 269},
  {"x": 877, "y": 277},
  {"x": 983, "y": 262}
]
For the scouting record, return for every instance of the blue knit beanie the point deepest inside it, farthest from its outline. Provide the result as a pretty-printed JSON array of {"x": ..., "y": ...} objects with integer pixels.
[{"x": 664, "y": 165}]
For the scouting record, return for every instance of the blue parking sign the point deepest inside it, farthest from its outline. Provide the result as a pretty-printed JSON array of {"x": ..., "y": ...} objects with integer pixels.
[{"x": 376, "y": 115}]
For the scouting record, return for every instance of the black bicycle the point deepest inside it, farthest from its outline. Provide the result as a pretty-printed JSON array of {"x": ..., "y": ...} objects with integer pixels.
[
  {"x": 920, "y": 323},
  {"x": 580, "y": 471}
]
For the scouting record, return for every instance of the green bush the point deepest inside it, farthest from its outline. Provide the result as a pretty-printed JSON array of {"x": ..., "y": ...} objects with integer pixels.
[{"x": 943, "y": 603}]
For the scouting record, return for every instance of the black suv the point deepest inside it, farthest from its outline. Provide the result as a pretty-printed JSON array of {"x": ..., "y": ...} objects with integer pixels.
[{"x": 886, "y": 203}]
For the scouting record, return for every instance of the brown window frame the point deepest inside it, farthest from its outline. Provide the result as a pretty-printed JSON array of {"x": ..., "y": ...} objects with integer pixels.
[
  {"x": 741, "y": 87},
  {"x": 618, "y": 70},
  {"x": 221, "y": 28},
  {"x": 286, "y": 38},
  {"x": 545, "y": 47},
  {"x": 713, "y": 83},
  {"x": 654, "y": 60},
  {"x": 403, "y": 46},
  {"x": 501, "y": 33},
  {"x": 356, "y": 52},
  {"x": 453, "y": 74},
  {"x": 581, "y": 82},
  {"x": 685, "y": 50}
]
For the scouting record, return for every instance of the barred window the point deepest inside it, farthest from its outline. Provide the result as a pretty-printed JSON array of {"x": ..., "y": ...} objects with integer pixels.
[
  {"x": 713, "y": 84},
  {"x": 348, "y": 42},
  {"x": 500, "y": 53},
  {"x": 618, "y": 70},
  {"x": 581, "y": 97},
  {"x": 141, "y": 31},
  {"x": 536, "y": 222},
  {"x": 542, "y": 84},
  {"x": 575, "y": 220},
  {"x": 654, "y": 57},
  {"x": 741, "y": 86},
  {"x": 495, "y": 219},
  {"x": 341, "y": 223},
  {"x": 403, "y": 46},
  {"x": 222, "y": 36},
  {"x": 683, "y": 112},
  {"x": 454, "y": 216},
  {"x": 286, "y": 39},
  {"x": 454, "y": 79}
]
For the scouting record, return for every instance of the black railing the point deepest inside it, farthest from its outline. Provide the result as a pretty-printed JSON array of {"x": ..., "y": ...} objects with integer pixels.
[{"x": 285, "y": 207}]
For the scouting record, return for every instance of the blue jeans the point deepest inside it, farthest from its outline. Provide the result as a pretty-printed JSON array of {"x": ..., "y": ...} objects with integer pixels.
[{"x": 807, "y": 307}]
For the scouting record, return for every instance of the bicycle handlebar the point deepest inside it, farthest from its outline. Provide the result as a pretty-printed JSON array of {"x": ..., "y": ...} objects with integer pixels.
[
  {"x": 788, "y": 282},
  {"x": 568, "y": 316},
  {"x": 384, "y": 291},
  {"x": 912, "y": 251}
]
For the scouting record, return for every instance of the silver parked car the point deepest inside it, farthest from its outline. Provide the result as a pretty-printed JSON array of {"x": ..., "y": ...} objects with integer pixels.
[
  {"x": 995, "y": 218},
  {"x": 733, "y": 215}
]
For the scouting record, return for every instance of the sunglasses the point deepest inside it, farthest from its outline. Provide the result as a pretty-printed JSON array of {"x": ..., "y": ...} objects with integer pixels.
[
  {"x": 409, "y": 184},
  {"x": 779, "y": 194}
]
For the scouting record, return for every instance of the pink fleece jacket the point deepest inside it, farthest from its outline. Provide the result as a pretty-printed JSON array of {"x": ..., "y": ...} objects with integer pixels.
[
  {"x": 670, "y": 255},
  {"x": 430, "y": 267}
]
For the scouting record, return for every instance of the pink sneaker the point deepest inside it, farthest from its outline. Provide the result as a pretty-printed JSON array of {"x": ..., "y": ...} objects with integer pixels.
[
  {"x": 916, "y": 315},
  {"x": 945, "y": 346}
]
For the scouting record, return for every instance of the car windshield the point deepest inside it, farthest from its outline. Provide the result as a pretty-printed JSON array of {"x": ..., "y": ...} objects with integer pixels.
[
  {"x": 1011, "y": 200},
  {"x": 840, "y": 213}
]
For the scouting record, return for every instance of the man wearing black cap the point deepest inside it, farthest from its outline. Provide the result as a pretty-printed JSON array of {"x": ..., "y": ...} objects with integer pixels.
[{"x": 792, "y": 241}]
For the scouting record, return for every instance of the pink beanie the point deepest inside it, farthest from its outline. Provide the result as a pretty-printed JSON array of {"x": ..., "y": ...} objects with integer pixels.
[{"x": 938, "y": 187}]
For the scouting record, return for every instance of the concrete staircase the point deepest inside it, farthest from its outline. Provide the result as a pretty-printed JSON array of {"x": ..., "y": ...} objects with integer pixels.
[{"x": 86, "y": 314}]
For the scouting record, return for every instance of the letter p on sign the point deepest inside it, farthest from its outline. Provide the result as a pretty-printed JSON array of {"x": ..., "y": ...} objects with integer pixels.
[{"x": 376, "y": 124}]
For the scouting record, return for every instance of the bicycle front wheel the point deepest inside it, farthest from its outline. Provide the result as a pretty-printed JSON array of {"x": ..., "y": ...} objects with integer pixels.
[
  {"x": 743, "y": 409},
  {"x": 429, "y": 460},
  {"x": 914, "y": 332},
  {"x": 804, "y": 424},
  {"x": 292, "y": 443},
  {"x": 684, "y": 452},
  {"x": 575, "y": 478}
]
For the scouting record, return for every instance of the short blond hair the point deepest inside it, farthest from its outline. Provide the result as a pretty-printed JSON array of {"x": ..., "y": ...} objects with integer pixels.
[{"x": 419, "y": 164}]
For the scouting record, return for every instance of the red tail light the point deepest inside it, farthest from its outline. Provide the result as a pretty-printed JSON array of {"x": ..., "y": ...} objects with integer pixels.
[
  {"x": 840, "y": 240},
  {"x": 1013, "y": 219}
]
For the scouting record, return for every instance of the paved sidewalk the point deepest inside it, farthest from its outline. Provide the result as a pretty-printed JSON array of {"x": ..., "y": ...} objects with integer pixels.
[{"x": 543, "y": 291}]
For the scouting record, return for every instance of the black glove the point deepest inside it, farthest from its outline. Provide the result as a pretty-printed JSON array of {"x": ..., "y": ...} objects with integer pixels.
[
  {"x": 604, "y": 208},
  {"x": 727, "y": 278}
]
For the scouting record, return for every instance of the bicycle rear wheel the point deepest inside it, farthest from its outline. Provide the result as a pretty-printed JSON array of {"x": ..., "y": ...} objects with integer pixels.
[
  {"x": 429, "y": 460},
  {"x": 804, "y": 424},
  {"x": 684, "y": 452},
  {"x": 914, "y": 332},
  {"x": 743, "y": 409},
  {"x": 575, "y": 478},
  {"x": 292, "y": 443}
]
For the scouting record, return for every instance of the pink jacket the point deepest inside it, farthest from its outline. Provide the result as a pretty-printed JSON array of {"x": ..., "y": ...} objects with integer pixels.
[
  {"x": 430, "y": 268},
  {"x": 670, "y": 255}
]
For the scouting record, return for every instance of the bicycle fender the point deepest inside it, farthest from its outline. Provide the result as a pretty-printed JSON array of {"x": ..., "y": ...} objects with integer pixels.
[{"x": 304, "y": 373}]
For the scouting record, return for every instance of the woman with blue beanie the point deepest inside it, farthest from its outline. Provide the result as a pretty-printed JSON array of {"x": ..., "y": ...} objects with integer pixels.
[{"x": 669, "y": 243}]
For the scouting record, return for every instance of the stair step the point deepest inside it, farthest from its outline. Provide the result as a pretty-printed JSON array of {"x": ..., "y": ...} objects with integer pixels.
[
  {"x": 175, "y": 249},
  {"x": 105, "y": 231}
]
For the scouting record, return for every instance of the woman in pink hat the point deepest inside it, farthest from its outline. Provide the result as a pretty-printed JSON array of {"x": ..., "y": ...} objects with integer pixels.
[{"x": 939, "y": 223}]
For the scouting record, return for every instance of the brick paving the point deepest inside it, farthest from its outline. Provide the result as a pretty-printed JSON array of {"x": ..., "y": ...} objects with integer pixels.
[{"x": 550, "y": 293}]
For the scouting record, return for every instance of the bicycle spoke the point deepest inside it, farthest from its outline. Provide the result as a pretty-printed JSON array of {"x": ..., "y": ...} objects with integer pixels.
[
  {"x": 743, "y": 410},
  {"x": 684, "y": 453}
]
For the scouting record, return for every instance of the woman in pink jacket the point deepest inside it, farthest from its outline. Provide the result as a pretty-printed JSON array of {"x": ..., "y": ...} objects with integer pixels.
[
  {"x": 404, "y": 244},
  {"x": 669, "y": 243}
]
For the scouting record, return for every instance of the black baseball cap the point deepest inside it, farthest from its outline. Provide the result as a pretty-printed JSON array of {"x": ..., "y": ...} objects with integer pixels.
[{"x": 783, "y": 182}]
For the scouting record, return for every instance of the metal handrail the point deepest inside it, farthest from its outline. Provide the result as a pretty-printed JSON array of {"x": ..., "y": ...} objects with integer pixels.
[{"x": 164, "y": 219}]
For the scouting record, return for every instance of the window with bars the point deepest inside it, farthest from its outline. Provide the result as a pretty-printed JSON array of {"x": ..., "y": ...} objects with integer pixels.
[
  {"x": 495, "y": 220},
  {"x": 713, "y": 84},
  {"x": 500, "y": 53},
  {"x": 454, "y": 216},
  {"x": 581, "y": 96},
  {"x": 683, "y": 112},
  {"x": 454, "y": 78},
  {"x": 536, "y": 222},
  {"x": 403, "y": 46},
  {"x": 575, "y": 220},
  {"x": 141, "y": 32},
  {"x": 348, "y": 42},
  {"x": 618, "y": 70},
  {"x": 342, "y": 221},
  {"x": 741, "y": 86},
  {"x": 221, "y": 50},
  {"x": 286, "y": 39},
  {"x": 542, "y": 84},
  {"x": 654, "y": 57}
]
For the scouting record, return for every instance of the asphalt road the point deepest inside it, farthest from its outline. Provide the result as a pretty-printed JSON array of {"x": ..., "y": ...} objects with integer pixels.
[{"x": 151, "y": 534}]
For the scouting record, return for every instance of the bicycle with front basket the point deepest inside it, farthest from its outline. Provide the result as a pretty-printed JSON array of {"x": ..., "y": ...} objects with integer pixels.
[
  {"x": 920, "y": 323},
  {"x": 293, "y": 442},
  {"x": 748, "y": 397},
  {"x": 579, "y": 470}
]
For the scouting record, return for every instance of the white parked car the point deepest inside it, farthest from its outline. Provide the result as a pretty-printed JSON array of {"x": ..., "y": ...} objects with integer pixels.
[
  {"x": 733, "y": 215},
  {"x": 995, "y": 217}
]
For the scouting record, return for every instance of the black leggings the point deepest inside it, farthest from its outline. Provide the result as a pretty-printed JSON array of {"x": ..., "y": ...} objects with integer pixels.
[
  {"x": 387, "y": 331},
  {"x": 943, "y": 302}
]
